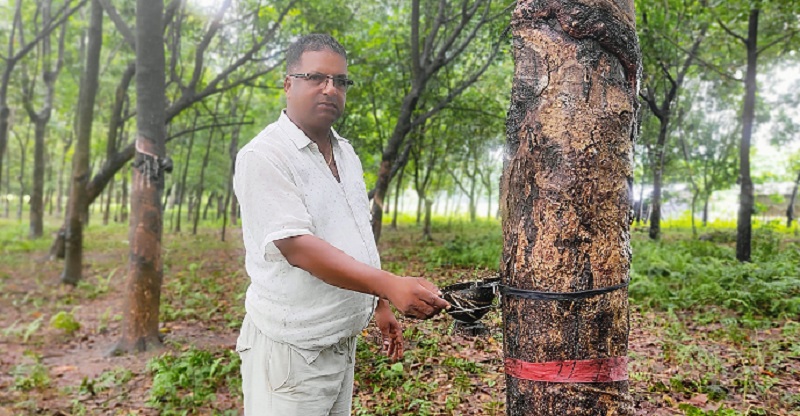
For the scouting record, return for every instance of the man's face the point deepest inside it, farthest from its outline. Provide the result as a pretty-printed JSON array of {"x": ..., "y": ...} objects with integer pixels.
[{"x": 311, "y": 103}]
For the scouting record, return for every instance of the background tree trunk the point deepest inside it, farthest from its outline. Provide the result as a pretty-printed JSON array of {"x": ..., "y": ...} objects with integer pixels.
[
  {"x": 145, "y": 272},
  {"x": 7, "y": 184},
  {"x": 233, "y": 150},
  {"x": 109, "y": 196},
  {"x": 78, "y": 201},
  {"x": 23, "y": 150},
  {"x": 50, "y": 71},
  {"x": 790, "y": 208},
  {"x": 397, "y": 192},
  {"x": 427, "y": 234},
  {"x": 566, "y": 200},
  {"x": 201, "y": 185},
  {"x": 744, "y": 226},
  {"x": 123, "y": 206},
  {"x": 62, "y": 168},
  {"x": 182, "y": 188},
  {"x": 36, "y": 205}
]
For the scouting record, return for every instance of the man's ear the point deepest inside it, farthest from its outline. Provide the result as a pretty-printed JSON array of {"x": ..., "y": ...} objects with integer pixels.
[{"x": 287, "y": 82}]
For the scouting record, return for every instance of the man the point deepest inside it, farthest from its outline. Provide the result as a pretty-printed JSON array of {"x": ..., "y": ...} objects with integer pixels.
[{"x": 310, "y": 252}]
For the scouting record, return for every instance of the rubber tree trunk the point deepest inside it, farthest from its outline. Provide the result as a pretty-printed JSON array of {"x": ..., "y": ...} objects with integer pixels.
[
  {"x": 566, "y": 198},
  {"x": 744, "y": 226},
  {"x": 78, "y": 200},
  {"x": 145, "y": 271},
  {"x": 36, "y": 207}
]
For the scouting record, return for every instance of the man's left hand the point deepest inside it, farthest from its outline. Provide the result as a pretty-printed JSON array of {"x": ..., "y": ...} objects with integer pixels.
[{"x": 391, "y": 331}]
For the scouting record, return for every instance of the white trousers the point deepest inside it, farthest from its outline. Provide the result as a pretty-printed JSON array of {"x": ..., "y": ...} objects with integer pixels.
[{"x": 277, "y": 380}]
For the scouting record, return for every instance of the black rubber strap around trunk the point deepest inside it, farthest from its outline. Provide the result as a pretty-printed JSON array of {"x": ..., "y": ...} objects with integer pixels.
[{"x": 534, "y": 295}]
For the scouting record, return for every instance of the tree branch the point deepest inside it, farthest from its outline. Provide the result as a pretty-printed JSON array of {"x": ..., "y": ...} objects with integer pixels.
[
  {"x": 431, "y": 38},
  {"x": 119, "y": 23},
  {"x": 47, "y": 30},
  {"x": 698, "y": 59},
  {"x": 199, "y": 54},
  {"x": 730, "y": 32},
  {"x": 776, "y": 41},
  {"x": 189, "y": 96},
  {"x": 415, "y": 64},
  {"x": 208, "y": 126},
  {"x": 650, "y": 99},
  {"x": 459, "y": 89}
]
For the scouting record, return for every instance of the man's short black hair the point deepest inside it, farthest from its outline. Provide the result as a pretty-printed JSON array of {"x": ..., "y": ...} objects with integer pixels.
[{"x": 311, "y": 42}]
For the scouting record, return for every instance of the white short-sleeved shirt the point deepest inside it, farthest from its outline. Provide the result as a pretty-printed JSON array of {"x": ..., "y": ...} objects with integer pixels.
[{"x": 285, "y": 189}]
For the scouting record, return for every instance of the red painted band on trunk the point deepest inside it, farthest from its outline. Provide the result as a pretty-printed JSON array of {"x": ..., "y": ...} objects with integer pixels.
[{"x": 602, "y": 370}]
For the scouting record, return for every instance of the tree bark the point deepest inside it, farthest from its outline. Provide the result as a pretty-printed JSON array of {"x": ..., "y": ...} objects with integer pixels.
[
  {"x": 744, "y": 226},
  {"x": 566, "y": 201},
  {"x": 145, "y": 271},
  {"x": 78, "y": 200}
]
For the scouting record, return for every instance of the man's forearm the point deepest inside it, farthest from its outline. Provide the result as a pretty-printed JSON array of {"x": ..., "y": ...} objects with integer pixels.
[{"x": 333, "y": 266}]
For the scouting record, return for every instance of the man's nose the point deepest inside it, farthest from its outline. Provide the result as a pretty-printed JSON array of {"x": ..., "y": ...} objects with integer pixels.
[{"x": 328, "y": 88}]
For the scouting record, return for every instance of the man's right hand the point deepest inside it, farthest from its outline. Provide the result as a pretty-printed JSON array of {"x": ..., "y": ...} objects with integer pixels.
[{"x": 416, "y": 297}]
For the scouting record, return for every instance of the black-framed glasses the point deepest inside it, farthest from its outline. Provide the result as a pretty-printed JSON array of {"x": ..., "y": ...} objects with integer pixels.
[{"x": 340, "y": 82}]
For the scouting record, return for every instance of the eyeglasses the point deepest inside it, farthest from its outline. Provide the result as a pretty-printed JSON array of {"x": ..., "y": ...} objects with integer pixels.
[{"x": 340, "y": 82}]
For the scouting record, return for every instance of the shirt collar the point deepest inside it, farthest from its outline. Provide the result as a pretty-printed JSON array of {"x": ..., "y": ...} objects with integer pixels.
[{"x": 297, "y": 136}]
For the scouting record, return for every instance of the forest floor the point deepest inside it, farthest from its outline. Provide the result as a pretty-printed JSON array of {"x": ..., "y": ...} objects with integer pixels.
[{"x": 55, "y": 338}]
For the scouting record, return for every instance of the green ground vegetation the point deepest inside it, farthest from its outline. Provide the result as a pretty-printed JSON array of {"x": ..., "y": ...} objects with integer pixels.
[{"x": 709, "y": 335}]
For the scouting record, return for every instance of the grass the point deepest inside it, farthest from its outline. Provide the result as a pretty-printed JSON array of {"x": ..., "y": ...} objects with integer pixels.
[
  {"x": 690, "y": 274},
  {"x": 189, "y": 381}
]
